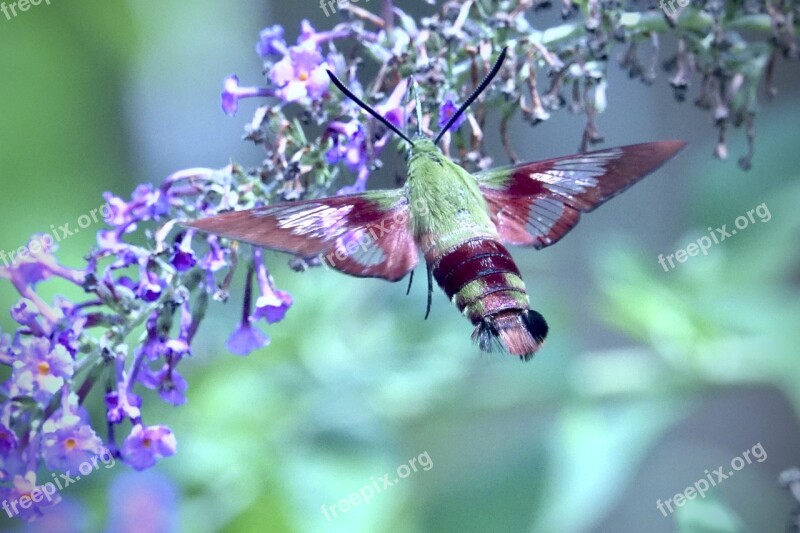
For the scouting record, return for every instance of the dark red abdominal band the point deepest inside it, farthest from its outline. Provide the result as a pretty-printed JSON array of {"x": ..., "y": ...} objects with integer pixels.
[{"x": 484, "y": 259}]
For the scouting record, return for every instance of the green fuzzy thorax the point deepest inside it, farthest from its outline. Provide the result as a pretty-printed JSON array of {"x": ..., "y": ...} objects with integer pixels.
[{"x": 446, "y": 204}]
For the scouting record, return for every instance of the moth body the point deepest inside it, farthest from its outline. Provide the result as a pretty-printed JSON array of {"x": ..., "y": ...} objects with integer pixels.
[{"x": 460, "y": 243}]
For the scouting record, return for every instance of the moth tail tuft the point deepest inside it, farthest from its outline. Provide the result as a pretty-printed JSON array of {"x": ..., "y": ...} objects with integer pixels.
[
  {"x": 536, "y": 325},
  {"x": 486, "y": 336},
  {"x": 517, "y": 332}
]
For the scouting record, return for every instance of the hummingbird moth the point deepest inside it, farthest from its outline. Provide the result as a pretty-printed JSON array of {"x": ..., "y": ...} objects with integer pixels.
[{"x": 460, "y": 222}]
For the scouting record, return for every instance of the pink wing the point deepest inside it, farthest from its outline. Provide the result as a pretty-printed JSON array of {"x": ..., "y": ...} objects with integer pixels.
[
  {"x": 536, "y": 204},
  {"x": 364, "y": 235}
]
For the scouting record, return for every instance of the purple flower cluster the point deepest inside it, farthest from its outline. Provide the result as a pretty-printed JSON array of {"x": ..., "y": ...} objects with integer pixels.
[
  {"x": 297, "y": 75},
  {"x": 63, "y": 349}
]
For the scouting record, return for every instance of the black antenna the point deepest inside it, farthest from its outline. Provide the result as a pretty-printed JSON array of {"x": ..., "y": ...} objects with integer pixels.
[
  {"x": 367, "y": 108},
  {"x": 486, "y": 81}
]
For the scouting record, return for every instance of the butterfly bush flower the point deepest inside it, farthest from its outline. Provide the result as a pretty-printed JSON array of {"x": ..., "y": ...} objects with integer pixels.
[
  {"x": 148, "y": 282},
  {"x": 23, "y": 486},
  {"x": 41, "y": 369},
  {"x": 63, "y": 349},
  {"x": 122, "y": 405},
  {"x": 301, "y": 73},
  {"x": 183, "y": 257},
  {"x": 392, "y": 109},
  {"x": 270, "y": 42},
  {"x": 349, "y": 145},
  {"x": 446, "y": 112},
  {"x": 246, "y": 338},
  {"x": 233, "y": 92},
  {"x": 67, "y": 445},
  {"x": 145, "y": 445},
  {"x": 171, "y": 386},
  {"x": 273, "y": 303}
]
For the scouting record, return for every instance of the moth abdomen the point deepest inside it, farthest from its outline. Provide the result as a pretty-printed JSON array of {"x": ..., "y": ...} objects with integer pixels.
[
  {"x": 482, "y": 280},
  {"x": 470, "y": 260}
]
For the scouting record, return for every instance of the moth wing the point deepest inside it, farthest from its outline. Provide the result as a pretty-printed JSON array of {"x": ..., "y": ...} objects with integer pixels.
[
  {"x": 536, "y": 204},
  {"x": 364, "y": 235}
]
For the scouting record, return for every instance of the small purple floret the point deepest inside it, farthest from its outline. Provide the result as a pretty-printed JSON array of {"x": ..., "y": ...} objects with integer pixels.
[
  {"x": 232, "y": 93},
  {"x": 246, "y": 338},
  {"x": 301, "y": 73},
  {"x": 67, "y": 446},
  {"x": 447, "y": 110},
  {"x": 270, "y": 41},
  {"x": 122, "y": 405},
  {"x": 146, "y": 444}
]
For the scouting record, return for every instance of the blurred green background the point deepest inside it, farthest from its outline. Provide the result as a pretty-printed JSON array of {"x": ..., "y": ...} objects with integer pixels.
[{"x": 648, "y": 378}]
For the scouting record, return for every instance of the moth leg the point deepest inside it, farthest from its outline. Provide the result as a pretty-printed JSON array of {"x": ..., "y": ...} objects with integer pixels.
[
  {"x": 430, "y": 290},
  {"x": 410, "y": 279}
]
